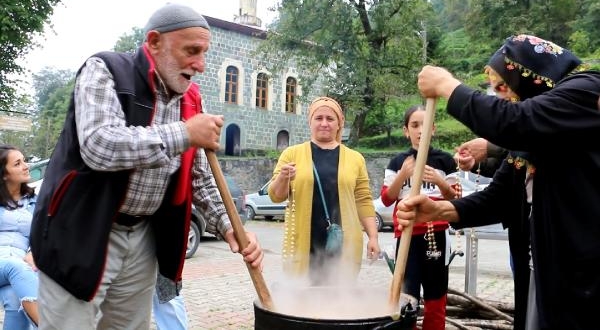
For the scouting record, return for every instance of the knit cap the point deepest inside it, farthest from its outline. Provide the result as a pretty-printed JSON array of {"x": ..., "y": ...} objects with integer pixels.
[{"x": 173, "y": 17}]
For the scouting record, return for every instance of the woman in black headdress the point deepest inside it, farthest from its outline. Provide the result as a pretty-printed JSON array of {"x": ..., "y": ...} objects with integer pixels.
[{"x": 543, "y": 107}]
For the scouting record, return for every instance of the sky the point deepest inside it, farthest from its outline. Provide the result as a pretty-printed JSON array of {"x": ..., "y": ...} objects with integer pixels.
[{"x": 84, "y": 27}]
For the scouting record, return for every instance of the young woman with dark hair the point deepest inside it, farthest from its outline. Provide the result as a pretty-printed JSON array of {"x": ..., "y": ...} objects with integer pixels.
[{"x": 17, "y": 271}]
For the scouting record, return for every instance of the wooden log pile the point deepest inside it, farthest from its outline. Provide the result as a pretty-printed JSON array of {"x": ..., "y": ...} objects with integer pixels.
[{"x": 466, "y": 312}]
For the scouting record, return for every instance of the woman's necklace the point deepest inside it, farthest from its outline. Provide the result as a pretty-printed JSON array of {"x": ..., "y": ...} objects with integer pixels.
[
  {"x": 290, "y": 223},
  {"x": 432, "y": 251},
  {"x": 472, "y": 230},
  {"x": 458, "y": 189},
  {"x": 458, "y": 195}
]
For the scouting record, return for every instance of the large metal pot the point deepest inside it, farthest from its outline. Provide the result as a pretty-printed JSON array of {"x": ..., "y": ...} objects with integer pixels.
[{"x": 335, "y": 311}]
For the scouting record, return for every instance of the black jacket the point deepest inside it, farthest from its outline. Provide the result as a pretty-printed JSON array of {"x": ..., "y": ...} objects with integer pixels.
[
  {"x": 77, "y": 205},
  {"x": 505, "y": 202},
  {"x": 560, "y": 129}
]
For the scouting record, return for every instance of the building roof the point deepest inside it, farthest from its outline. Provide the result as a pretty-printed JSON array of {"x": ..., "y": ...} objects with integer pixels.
[{"x": 239, "y": 28}]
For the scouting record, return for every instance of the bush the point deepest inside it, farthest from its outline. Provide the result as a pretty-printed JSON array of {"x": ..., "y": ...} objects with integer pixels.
[{"x": 449, "y": 134}]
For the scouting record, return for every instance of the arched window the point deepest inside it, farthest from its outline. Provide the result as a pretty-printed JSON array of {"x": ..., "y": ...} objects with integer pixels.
[
  {"x": 262, "y": 88},
  {"x": 291, "y": 87},
  {"x": 283, "y": 140},
  {"x": 231, "y": 84},
  {"x": 232, "y": 140}
]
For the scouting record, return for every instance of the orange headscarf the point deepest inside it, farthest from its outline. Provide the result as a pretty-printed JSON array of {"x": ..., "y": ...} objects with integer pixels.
[{"x": 332, "y": 104}]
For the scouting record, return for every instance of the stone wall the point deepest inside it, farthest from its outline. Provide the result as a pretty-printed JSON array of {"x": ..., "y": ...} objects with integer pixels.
[
  {"x": 251, "y": 128},
  {"x": 252, "y": 173}
]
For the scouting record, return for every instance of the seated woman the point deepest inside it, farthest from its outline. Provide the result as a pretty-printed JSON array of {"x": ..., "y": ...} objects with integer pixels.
[
  {"x": 14, "y": 315},
  {"x": 17, "y": 201}
]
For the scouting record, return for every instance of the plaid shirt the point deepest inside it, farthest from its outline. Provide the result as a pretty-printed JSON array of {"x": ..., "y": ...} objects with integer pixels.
[{"x": 153, "y": 152}]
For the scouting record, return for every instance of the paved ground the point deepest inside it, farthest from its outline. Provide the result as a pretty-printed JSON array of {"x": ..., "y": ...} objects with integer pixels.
[{"x": 219, "y": 293}]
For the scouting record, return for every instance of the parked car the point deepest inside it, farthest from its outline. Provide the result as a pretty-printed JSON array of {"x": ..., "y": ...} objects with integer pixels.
[
  {"x": 260, "y": 204},
  {"x": 198, "y": 223},
  {"x": 470, "y": 182},
  {"x": 37, "y": 171},
  {"x": 383, "y": 214}
]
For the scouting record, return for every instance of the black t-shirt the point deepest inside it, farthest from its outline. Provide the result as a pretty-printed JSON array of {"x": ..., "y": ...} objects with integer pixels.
[{"x": 326, "y": 163}]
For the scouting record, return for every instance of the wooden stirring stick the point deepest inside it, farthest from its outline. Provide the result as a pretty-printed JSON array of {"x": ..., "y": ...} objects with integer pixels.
[
  {"x": 416, "y": 182},
  {"x": 238, "y": 230}
]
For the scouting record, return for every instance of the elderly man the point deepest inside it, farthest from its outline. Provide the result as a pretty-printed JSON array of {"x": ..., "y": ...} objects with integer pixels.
[{"x": 115, "y": 207}]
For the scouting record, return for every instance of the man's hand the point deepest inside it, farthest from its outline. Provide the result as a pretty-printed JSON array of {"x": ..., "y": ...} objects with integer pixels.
[
  {"x": 470, "y": 153},
  {"x": 436, "y": 82},
  {"x": 253, "y": 253},
  {"x": 477, "y": 148},
  {"x": 422, "y": 209},
  {"x": 204, "y": 130}
]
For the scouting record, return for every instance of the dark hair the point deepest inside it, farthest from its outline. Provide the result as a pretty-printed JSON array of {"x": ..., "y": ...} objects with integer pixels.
[
  {"x": 5, "y": 197},
  {"x": 409, "y": 113}
]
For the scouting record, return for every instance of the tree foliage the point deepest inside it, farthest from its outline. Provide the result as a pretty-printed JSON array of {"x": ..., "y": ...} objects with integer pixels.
[
  {"x": 53, "y": 89},
  {"x": 47, "y": 81},
  {"x": 130, "y": 42},
  {"x": 53, "y": 93},
  {"x": 20, "y": 22},
  {"x": 367, "y": 51},
  {"x": 50, "y": 120},
  {"x": 476, "y": 28}
]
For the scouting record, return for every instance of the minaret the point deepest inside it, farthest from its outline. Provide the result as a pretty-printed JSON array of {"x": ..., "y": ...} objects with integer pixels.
[{"x": 247, "y": 14}]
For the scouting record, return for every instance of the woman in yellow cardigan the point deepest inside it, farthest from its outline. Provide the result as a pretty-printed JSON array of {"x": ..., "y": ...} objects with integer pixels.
[{"x": 346, "y": 199}]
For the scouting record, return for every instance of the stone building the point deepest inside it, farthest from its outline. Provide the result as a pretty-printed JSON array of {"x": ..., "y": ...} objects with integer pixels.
[{"x": 262, "y": 109}]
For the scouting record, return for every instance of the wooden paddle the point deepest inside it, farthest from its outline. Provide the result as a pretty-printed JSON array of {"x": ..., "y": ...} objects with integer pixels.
[
  {"x": 416, "y": 182},
  {"x": 238, "y": 230}
]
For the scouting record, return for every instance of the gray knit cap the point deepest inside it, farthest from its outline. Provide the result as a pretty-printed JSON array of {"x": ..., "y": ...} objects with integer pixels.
[{"x": 173, "y": 17}]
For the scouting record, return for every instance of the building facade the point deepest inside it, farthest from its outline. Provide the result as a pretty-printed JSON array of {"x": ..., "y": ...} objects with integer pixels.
[{"x": 262, "y": 109}]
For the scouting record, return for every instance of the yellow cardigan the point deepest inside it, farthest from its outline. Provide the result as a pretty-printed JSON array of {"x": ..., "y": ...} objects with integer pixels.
[{"x": 355, "y": 204}]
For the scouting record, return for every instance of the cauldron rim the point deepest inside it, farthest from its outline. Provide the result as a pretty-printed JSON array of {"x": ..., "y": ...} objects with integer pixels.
[{"x": 382, "y": 318}]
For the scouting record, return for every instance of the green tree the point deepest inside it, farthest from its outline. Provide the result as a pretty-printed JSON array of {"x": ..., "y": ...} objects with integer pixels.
[
  {"x": 587, "y": 25},
  {"x": 130, "y": 42},
  {"x": 558, "y": 16},
  {"x": 20, "y": 22},
  {"x": 458, "y": 52},
  {"x": 50, "y": 120},
  {"x": 47, "y": 81},
  {"x": 391, "y": 118},
  {"x": 475, "y": 29},
  {"x": 451, "y": 12},
  {"x": 367, "y": 51},
  {"x": 52, "y": 93},
  {"x": 579, "y": 43},
  {"x": 53, "y": 89}
]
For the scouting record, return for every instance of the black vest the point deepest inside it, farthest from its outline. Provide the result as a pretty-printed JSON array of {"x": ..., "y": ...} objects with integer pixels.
[{"x": 77, "y": 206}]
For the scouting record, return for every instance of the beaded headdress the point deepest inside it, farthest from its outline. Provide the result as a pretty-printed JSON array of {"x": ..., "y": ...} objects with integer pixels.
[{"x": 531, "y": 65}]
